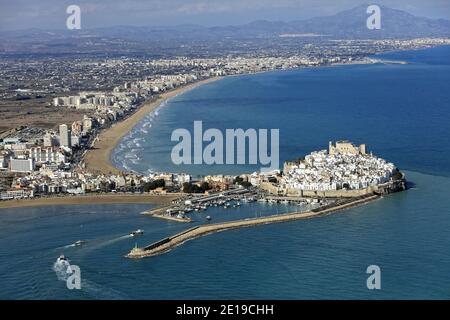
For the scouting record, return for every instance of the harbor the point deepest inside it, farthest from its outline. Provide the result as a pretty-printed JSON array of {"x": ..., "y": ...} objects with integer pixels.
[
  {"x": 169, "y": 243},
  {"x": 183, "y": 207}
]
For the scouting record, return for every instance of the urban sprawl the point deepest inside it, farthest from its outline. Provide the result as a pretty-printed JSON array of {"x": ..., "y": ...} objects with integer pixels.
[{"x": 45, "y": 162}]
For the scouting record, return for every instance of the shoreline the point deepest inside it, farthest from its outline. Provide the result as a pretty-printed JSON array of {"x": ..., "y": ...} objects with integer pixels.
[
  {"x": 90, "y": 199},
  {"x": 98, "y": 159}
]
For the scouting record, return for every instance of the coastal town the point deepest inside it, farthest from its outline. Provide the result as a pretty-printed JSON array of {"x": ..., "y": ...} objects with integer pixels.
[
  {"x": 324, "y": 181},
  {"x": 224, "y": 156},
  {"x": 40, "y": 162}
]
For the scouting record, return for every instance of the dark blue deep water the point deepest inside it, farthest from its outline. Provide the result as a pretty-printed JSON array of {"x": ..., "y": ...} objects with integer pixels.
[{"x": 400, "y": 111}]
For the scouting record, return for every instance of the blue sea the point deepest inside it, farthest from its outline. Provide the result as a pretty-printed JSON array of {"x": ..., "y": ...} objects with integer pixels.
[{"x": 401, "y": 111}]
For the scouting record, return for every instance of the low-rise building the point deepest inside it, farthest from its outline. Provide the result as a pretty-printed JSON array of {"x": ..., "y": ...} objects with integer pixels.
[{"x": 21, "y": 165}]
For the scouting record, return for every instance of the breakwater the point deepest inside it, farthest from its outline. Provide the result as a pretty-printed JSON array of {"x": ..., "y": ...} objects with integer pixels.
[
  {"x": 169, "y": 243},
  {"x": 160, "y": 213}
]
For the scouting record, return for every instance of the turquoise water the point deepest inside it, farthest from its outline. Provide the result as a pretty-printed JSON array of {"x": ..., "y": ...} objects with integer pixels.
[{"x": 400, "y": 111}]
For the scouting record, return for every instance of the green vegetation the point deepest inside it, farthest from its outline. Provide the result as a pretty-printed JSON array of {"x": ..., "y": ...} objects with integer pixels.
[
  {"x": 241, "y": 182},
  {"x": 160, "y": 183},
  {"x": 193, "y": 188}
]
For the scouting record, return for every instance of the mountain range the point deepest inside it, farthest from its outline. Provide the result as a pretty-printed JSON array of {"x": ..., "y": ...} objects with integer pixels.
[{"x": 348, "y": 24}]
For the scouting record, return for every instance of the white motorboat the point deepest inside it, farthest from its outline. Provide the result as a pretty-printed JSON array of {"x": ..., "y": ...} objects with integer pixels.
[
  {"x": 137, "y": 232},
  {"x": 79, "y": 243},
  {"x": 61, "y": 259}
]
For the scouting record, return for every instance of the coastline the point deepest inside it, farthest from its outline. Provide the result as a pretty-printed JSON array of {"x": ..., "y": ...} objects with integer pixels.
[
  {"x": 98, "y": 159},
  {"x": 90, "y": 199}
]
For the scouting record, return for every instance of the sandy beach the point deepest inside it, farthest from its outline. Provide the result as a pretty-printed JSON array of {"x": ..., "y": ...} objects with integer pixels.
[
  {"x": 98, "y": 159},
  {"x": 91, "y": 199}
]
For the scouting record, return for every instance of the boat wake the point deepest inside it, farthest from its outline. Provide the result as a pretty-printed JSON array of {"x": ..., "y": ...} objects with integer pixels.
[
  {"x": 106, "y": 243},
  {"x": 63, "y": 271},
  {"x": 98, "y": 291}
]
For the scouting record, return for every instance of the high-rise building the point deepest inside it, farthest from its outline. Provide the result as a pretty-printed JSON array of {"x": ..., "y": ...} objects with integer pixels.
[
  {"x": 87, "y": 124},
  {"x": 50, "y": 140},
  {"x": 77, "y": 127},
  {"x": 46, "y": 155},
  {"x": 65, "y": 136}
]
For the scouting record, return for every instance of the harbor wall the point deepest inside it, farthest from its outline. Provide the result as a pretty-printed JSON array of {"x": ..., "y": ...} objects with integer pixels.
[
  {"x": 385, "y": 188},
  {"x": 171, "y": 242}
]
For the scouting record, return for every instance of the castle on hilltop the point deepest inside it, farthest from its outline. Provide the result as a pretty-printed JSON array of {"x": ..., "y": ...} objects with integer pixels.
[{"x": 345, "y": 146}]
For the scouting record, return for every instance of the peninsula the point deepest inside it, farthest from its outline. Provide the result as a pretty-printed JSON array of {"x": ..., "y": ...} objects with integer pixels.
[{"x": 342, "y": 177}]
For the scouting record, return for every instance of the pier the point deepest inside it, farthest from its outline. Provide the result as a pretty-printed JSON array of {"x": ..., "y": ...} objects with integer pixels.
[
  {"x": 168, "y": 217},
  {"x": 169, "y": 243},
  {"x": 160, "y": 213}
]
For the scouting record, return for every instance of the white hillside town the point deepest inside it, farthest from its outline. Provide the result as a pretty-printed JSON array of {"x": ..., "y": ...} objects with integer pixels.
[{"x": 343, "y": 167}]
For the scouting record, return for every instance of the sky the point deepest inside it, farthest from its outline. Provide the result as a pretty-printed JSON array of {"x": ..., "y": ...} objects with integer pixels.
[{"x": 51, "y": 14}]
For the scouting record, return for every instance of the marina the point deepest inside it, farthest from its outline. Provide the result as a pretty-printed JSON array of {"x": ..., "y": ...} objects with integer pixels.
[
  {"x": 169, "y": 243},
  {"x": 181, "y": 208}
]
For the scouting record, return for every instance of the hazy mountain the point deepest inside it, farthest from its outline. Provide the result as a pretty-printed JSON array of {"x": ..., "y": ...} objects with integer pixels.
[
  {"x": 346, "y": 24},
  {"x": 349, "y": 23},
  {"x": 394, "y": 24}
]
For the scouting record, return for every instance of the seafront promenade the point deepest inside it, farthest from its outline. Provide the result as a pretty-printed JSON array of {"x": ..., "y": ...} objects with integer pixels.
[{"x": 169, "y": 243}]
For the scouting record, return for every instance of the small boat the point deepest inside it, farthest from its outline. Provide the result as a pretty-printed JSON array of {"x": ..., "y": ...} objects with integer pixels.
[
  {"x": 79, "y": 243},
  {"x": 61, "y": 259},
  {"x": 208, "y": 218},
  {"x": 137, "y": 232}
]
